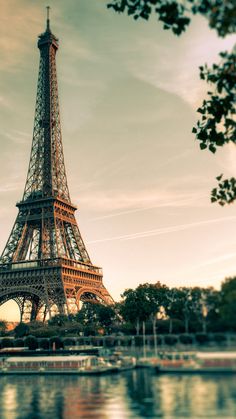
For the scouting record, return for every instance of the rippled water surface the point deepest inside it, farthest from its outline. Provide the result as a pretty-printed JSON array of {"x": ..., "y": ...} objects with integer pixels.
[{"x": 132, "y": 394}]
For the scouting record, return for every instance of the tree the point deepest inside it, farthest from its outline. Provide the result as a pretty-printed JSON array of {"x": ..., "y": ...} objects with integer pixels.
[
  {"x": 143, "y": 303},
  {"x": 132, "y": 307},
  {"x": 96, "y": 315},
  {"x": 208, "y": 307},
  {"x": 106, "y": 316},
  {"x": 185, "y": 306},
  {"x": 217, "y": 125},
  {"x": 174, "y": 305},
  {"x": 21, "y": 330},
  {"x": 176, "y": 14},
  {"x": 3, "y": 327},
  {"x": 58, "y": 320},
  {"x": 88, "y": 315},
  {"x": 228, "y": 303}
]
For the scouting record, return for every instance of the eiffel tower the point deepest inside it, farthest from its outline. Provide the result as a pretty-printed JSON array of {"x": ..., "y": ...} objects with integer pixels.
[{"x": 45, "y": 267}]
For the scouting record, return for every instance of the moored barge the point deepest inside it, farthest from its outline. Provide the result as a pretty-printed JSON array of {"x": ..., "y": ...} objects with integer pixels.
[
  {"x": 197, "y": 362},
  {"x": 75, "y": 364}
]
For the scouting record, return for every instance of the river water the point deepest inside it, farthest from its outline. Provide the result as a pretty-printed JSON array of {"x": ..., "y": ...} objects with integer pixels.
[{"x": 132, "y": 394}]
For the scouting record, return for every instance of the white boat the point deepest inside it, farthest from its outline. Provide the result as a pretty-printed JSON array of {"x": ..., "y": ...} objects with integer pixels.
[
  {"x": 74, "y": 364},
  {"x": 122, "y": 362},
  {"x": 197, "y": 362}
]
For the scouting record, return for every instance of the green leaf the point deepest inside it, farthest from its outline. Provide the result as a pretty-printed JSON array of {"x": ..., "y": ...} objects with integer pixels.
[{"x": 212, "y": 148}]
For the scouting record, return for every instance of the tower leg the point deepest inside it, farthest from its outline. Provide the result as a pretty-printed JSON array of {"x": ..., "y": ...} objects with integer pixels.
[
  {"x": 34, "y": 309},
  {"x": 26, "y": 309}
]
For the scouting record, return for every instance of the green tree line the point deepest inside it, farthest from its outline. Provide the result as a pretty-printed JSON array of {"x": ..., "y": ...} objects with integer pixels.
[{"x": 159, "y": 308}]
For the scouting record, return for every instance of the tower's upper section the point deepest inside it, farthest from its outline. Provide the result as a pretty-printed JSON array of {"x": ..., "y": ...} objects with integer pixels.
[
  {"x": 46, "y": 174},
  {"x": 47, "y": 38}
]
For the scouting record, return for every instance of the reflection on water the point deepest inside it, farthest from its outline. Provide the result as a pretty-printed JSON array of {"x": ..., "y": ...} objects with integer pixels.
[{"x": 132, "y": 394}]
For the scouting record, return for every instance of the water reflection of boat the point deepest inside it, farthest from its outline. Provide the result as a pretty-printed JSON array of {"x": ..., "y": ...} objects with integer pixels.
[
  {"x": 75, "y": 364},
  {"x": 197, "y": 362}
]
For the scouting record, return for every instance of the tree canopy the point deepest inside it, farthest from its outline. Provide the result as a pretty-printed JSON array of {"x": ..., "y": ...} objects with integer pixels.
[
  {"x": 176, "y": 14},
  {"x": 173, "y": 310}
]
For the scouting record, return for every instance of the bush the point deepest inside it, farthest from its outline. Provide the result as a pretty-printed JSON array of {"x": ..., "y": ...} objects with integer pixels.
[
  {"x": 109, "y": 342},
  {"x": 19, "y": 343},
  {"x": 158, "y": 340},
  {"x": 90, "y": 330},
  {"x": 31, "y": 342},
  {"x": 35, "y": 325},
  {"x": 202, "y": 338},
  {"x": 162, "y": 326},
  {"x": 177, "y": 326},
  {"x": 44, "y": 344},
  {"x": 46, "y": 332},
  {"x": 69, "y": 342},
  {"x": 71, "y": 329},
  {"x": 219, "y": 337},
  {"x": 186, "y": 339},
  {"x": 7, "y": 343},
  {"x": 171, "y": 340}
]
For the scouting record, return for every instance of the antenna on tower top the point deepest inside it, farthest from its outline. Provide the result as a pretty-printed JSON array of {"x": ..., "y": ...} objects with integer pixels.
[{"x": 48, "y": 20}]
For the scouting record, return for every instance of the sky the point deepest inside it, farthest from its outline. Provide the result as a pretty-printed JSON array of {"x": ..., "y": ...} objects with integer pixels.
[{"x": 128, "y": 97}]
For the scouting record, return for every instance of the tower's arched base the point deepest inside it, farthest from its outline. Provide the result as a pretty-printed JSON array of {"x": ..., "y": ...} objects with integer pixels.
[{"x": 44, "y": 290}]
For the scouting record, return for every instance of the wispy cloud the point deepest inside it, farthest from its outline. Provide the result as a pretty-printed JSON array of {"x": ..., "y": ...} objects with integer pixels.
[
  {"x": 130, "y": 202},
  {"x": 182, "y": 77},
  {"x": 209, "y": 262},
  {"x": 165, "y": 230},
  {"x": 181, "y": 202}
]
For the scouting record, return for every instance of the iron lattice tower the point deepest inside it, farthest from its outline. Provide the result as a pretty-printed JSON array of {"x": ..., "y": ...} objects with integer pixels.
[{"x": 45, "y": 266}]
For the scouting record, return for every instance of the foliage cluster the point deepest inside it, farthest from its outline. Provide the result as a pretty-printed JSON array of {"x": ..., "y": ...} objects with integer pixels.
[
  {"x": 184, "y": 309},
  {"x": 176, "y": 14},
  {"x": 163, "y": 310}
]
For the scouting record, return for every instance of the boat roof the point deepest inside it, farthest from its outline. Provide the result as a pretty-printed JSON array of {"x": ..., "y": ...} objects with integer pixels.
[
  {"x": 218, "y": 355},
  {"x": 56, "y": 358}
]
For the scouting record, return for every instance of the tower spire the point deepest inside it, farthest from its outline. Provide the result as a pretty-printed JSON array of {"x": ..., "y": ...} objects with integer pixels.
[{"x": 48, "y": 19}]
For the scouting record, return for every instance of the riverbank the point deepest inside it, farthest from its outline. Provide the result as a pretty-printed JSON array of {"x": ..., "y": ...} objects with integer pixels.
[{"x": 130, "y": 344}]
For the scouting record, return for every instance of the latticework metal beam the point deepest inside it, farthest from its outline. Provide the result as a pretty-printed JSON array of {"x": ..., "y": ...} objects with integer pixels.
[{"x": 45, "y": 266}]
